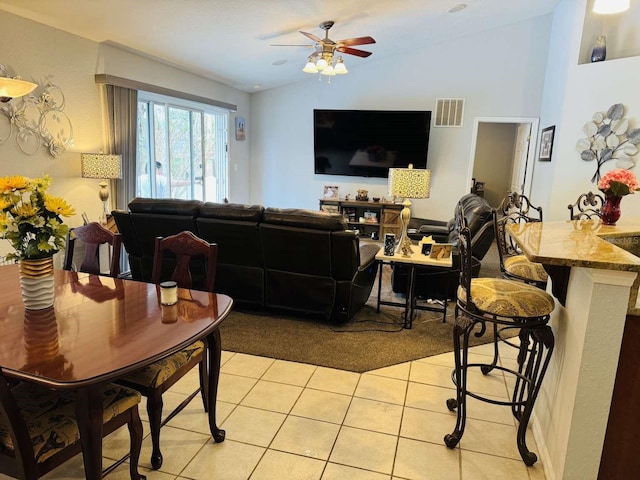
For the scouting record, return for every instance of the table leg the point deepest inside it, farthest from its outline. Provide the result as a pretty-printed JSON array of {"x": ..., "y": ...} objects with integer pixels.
[
  {"x": 409, "y": 309},
  {"x": 214, "y": 349},
  {"x": 380, "y": 264},
  {"x": 89, "y": 416}
]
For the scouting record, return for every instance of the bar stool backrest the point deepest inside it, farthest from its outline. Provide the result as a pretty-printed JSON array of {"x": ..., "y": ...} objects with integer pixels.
[
  {"x": 588, "y": 206},
  {"x": 513, "y": 209},
  {"x": 466, "y": 259}
]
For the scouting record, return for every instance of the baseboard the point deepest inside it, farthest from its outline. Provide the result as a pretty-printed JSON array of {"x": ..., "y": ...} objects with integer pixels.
[{"x": 543, "y": 451}]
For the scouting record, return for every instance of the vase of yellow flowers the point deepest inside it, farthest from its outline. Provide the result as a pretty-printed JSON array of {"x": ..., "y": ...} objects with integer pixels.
[{"x": 30, "y": 219}]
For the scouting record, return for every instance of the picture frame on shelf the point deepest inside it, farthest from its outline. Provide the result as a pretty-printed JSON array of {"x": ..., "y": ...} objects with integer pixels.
[
  {"x": 546, "y": 143},
  {"x": 331, "y": 192}
]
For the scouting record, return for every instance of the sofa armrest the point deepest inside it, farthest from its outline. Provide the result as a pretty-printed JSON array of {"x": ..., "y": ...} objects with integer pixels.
[{"x": 367, "y": 255}]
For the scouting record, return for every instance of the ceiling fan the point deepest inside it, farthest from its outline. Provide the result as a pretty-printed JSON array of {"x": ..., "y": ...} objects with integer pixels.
[{"x": 326, "y": 48}]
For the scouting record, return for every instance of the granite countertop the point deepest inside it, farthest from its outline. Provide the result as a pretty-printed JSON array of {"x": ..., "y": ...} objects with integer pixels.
[{"x": 584, "y": 243}]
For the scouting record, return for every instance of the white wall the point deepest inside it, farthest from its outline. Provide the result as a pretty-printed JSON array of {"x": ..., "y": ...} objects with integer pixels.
[
  {"x": 500, "y": 73},
  {"x": 35, "y": 51}
]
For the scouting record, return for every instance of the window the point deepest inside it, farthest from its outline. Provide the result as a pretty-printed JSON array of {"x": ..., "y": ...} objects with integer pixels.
[{"x": 182, "y": 149}]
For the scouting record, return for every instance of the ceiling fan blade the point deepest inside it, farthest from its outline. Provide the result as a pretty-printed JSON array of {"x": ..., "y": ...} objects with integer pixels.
[
  {"x": 311, "y": 36},
  {"x": 291, "y": 45},
  {"x": 353, "y": 51},
  {"x": 356, "y": 41}
]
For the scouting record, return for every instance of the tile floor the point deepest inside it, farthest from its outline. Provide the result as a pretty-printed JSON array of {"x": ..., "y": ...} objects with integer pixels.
[{"x": 295, "y": 421}]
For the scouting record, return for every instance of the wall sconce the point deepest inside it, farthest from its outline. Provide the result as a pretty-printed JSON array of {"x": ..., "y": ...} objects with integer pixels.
[
  {"x": 106, "y": 167},
  {"x": 13, "y": 88}
]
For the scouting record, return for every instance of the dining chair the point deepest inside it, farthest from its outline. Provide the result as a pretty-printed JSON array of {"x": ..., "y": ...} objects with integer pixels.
[
  {"x": 180, "y": 252},
  {"x": 587, "y": 207},
  {"x": 92, "y": 235},
  {"x": 39, "y": 432}
]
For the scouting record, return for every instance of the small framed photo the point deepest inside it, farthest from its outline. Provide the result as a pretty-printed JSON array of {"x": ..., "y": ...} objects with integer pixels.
[
  {"x": 331, "y": 192},
  {"x": 426, "y": 248},
  {"x": 440, "y": 251},
  {"x": 546, "y": 143},
  {"x": 241, "y": 127}
]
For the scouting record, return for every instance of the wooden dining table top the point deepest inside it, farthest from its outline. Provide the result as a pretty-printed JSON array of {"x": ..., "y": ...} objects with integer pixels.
[{"x": 99, "y": 327}]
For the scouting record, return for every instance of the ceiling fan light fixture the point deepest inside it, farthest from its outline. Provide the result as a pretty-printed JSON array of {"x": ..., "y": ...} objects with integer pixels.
[
  {"x": 606, "y": 7},
  {"x": 321, "y": 64},
  {"x": 310, "y": 67},
  {"x": 328, "y": 71},
  {"x": 340, "y": 68}
]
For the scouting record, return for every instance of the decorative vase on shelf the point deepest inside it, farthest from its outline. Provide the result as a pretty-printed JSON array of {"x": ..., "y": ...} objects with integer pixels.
[
  {"x": 610, "y": 212},
  {"x": 599, "y": 52},
  {"x": 37, "y": 283}
]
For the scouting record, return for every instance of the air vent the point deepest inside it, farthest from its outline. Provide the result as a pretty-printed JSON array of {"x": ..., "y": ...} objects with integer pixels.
[{"x": 449, "y": 112}]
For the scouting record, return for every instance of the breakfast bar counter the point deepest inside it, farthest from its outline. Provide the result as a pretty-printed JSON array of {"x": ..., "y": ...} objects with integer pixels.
[{"x": 593, "y": 270}]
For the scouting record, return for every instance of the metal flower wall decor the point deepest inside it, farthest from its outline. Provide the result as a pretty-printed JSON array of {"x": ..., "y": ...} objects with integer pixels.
[
  {"x": 609, "y": 138},
  {"x": 37, "y": 119}
]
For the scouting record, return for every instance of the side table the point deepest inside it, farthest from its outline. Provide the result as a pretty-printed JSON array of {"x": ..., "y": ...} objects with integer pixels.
[{"x": 414, "y": 262}]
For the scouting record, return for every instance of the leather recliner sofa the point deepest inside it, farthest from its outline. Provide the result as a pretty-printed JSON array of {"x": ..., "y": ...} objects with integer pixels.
[
  {"x": 430, "y": 283},
  {"x": 291, "y": 260}
]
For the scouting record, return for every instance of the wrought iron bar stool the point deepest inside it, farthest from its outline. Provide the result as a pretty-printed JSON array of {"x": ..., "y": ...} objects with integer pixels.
[
  {"x": 505, "y": 303},
  {"x": 587, "y": 207}
]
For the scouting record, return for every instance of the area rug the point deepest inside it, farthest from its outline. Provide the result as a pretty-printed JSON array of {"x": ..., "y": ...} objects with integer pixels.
[{"x": 369, "y": 341}]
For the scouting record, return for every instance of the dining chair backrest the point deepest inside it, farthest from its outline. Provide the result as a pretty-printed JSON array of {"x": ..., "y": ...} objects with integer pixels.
[
  {"x": 588, "y": 206},
  {"x": 93, "y": 235},
  {"x": 513, "y": 209},
  {"x": 184, "y": 246}
]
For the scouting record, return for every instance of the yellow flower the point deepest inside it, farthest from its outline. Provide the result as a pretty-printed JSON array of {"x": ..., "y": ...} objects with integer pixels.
[
  {"x": 58, "y": 206},
  {"x": 26, "y": 210},
  {"x": 9, "y": 184}
]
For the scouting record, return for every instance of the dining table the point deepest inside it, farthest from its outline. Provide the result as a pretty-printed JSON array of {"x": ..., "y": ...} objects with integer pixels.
[{"x": 99, "y": 329}]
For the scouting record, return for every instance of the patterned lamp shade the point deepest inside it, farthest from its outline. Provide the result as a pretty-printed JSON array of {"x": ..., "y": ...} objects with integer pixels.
[
  {"x": 101, "y": 165},
  {"x": 409, "y": 182}
]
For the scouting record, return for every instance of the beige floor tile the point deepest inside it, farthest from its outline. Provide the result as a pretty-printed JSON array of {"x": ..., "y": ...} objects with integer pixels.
[
  {"x": 253, "y": 426},
  {"x": 489, "y": 412},
  {"x": 447, "y": 359},
  {"x": 178, "y": 448},
  {"x": 491, "y": 438},
  {"x": 233, "y": 388},
  {"x": 117, "y": 444},
  {"x": 426, "y": 425},
  {"x": 226, "y": 356},
  {"x": 319, "y": 405},
  {"x": 247, "y": 365},
  {"x": 424, "y": 461},
  {"x": 364, "y": 449},
  {"x": 505, "y": 350},
  {"x": 431, "y": 374},
  {"x": 229, "y": 460},
  {"x": 332, "y": 380},
  {"x": 286, "y": 465},
  {"x": 374, "y": 415},
  {"x": 400, "y": 371},
  {"x": 389, "y": 390},
  {"x": 492, "y": 384},
  {"x": 429, "y": 397},
  {"x": 276, "y": 397},
  {"x": 334, "y": 471},
  {"x": 188, "y": 384},
  {"x": 195, "y": 419},
  {"x": 477, "y": 466},
  {"x": 309, "y": 438},
  {"x": 291, "y": 373}
]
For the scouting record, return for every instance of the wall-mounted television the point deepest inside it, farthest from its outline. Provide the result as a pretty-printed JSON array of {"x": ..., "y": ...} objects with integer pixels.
[{"x": 366, "y": 143}]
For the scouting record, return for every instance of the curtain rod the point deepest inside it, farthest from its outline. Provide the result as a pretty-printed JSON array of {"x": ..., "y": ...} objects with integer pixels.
[{"x": 147, "y": 87}]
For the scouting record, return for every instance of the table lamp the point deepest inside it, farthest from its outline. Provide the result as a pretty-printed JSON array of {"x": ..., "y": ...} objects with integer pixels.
[
  {"x": 408, "y": 183},
  {"x": 106, "y": 167}
]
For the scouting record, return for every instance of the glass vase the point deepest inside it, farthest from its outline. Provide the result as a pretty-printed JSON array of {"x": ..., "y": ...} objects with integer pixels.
[
  {"x": 37, "y": 283},
  {"x": 610, "y": 212},
  {"x": 599, "y": 52}
]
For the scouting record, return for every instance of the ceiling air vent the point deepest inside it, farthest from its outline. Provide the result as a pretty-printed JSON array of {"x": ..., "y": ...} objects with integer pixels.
[{"x": 449, "y": 112}]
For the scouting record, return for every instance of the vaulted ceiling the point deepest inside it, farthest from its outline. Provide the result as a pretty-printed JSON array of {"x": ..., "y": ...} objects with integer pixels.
[{"x": 231, "y": 40}]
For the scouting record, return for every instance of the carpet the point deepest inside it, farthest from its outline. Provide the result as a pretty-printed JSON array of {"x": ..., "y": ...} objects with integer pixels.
[{"x": 368, "y": 342}]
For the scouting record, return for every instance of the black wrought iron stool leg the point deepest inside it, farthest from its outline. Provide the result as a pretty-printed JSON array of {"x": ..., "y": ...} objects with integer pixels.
[
  {"x": 536, "y": 367},
  {"x": 485, "y": 369},
  {"x": 462, "y": 329}
]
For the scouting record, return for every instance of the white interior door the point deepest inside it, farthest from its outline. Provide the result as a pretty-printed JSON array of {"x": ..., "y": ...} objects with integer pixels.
[{"x": 520, "y": 154}]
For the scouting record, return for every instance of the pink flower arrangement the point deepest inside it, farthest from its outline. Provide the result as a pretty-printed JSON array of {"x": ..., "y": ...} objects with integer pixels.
[{"x": 618, "y": 182}]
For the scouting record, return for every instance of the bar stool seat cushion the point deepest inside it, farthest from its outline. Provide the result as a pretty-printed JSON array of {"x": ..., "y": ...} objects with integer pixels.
[
  {"x": 51, "y": 416},
  {"x": 157, "y": 373},
  {"x": 520, "y": 266},
  {"x": 508, "y": 298}
]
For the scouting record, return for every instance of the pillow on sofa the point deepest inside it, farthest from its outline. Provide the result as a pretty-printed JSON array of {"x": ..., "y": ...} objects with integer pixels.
[{"x": 232, "y": 211}]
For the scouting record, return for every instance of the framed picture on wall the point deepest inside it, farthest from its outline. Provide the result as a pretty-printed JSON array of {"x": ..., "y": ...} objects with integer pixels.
[
  {"x": 546, "y": 143},
  {"x": 240, "y": 129}
]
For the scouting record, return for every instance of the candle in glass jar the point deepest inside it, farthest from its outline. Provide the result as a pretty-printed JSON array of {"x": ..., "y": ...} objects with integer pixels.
[{"x": 169, "y": 293}]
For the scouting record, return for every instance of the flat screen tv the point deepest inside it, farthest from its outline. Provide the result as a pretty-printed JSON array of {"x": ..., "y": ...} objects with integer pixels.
[{"x": 366, "y": 143}]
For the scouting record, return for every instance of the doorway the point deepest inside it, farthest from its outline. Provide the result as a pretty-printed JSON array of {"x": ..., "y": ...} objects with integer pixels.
[{"x": 502, "y": 156}]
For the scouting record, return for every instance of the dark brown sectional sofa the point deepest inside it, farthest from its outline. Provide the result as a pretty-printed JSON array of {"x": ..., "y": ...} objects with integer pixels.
[{"x": 290, "y": 260}]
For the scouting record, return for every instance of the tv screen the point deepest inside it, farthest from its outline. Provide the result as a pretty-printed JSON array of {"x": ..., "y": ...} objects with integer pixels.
[{"x": 366, "y": 143}]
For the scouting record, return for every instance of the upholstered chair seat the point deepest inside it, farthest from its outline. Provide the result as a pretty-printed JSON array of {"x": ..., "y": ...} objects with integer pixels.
[{"x": 519, "y": 267}]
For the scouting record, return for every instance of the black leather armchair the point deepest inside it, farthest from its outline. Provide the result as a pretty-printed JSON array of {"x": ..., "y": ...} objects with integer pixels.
[{"x": 430, "y": 283}]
